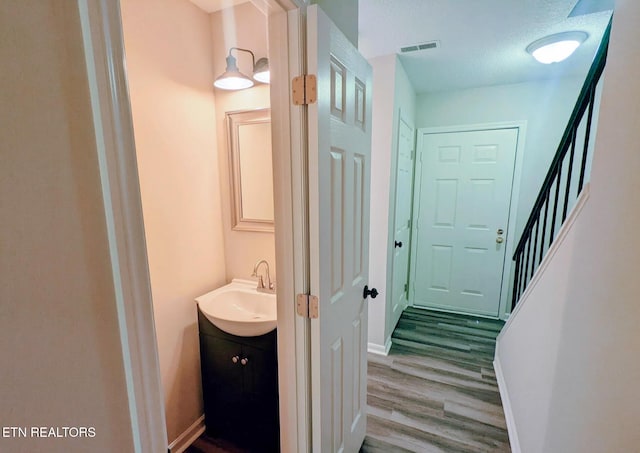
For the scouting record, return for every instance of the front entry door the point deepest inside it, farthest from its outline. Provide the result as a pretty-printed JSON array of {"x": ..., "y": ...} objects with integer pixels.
[
  {"x": 461, "y": 204},
  {"x": 339, "y": 127}
]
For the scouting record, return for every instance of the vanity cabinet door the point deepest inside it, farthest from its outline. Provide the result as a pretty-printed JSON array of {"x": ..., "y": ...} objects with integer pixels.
[
  {"x": 222, "y": 385},
  {"x": 260, "y": 372},
  {"x": 261, "y": 395}
]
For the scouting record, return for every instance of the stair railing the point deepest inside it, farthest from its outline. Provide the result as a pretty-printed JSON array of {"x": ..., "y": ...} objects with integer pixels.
[{"x": 555, "y": 195}]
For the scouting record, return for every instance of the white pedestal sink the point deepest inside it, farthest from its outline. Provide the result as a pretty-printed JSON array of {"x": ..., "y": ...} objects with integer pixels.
[{"x": 239, "y": 309}]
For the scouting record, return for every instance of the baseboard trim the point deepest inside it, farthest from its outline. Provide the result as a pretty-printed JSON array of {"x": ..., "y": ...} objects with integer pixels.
[
  {"x": 188, "y": 437},
  {"x": 375, "y": 348},
  {"x": 506, "y": 405}
]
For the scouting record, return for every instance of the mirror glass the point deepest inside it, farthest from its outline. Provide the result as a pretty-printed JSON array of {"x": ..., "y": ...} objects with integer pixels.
[{"x": 249, "y": 139}]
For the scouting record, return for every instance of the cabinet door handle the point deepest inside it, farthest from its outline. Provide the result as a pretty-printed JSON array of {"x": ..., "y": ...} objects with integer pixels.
[
  {"x": 235, "y": 359},
  {"x": 244, "y": 361}
]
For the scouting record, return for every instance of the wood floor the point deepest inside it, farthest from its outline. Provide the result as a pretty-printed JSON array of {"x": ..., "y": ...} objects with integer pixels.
[{"x": 436, "y": 391}]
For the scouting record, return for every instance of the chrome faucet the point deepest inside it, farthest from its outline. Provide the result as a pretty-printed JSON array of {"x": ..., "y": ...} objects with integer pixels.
[{"x": 269, "y": 287}]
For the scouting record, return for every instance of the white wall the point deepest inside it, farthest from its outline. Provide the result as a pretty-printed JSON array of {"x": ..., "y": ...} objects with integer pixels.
[
  {"x": 388, "y": 105},
  {"x": 60, "y": 353},
  {"x": 530, "y": 370},
  {"x": 545, "y": 106},
  {"x": 570, "y": 352},
  {"x": 242, "y": 26},
  {"x": 170, "y": 71}
]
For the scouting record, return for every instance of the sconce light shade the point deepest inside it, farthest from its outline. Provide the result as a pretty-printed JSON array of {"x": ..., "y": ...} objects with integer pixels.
[
  {"x": 232, "y": 78},
  {"x": 556, "y": 48},
  {"x": 261, "y": 71}
]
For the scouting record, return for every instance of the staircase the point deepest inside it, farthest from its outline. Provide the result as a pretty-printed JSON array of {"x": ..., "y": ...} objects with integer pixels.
[{"x": 564, "y": 181}]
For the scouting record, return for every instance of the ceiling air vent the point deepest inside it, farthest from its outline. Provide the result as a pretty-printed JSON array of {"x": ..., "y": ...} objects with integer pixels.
[{"x": 421, "y": 46}]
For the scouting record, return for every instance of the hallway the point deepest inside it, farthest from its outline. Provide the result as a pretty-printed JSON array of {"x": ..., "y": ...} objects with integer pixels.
[{"x": 436, "y": 391}]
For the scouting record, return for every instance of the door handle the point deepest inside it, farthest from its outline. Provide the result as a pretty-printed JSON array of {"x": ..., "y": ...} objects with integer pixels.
[
  {"x": 369, "y": 292},
  {"x": 499, "y": 240},
  {"x": 398, "y": 244}
]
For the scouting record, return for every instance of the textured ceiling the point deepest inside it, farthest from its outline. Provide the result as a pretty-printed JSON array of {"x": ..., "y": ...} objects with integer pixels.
[{"x": 482, "y": 42}]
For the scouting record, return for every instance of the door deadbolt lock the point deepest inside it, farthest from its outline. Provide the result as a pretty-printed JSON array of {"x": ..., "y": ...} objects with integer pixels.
[{"x": 500, "y": 231}]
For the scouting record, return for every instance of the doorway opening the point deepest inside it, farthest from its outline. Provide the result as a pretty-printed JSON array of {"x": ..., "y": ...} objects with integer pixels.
[{"x": 174, "y": 55}]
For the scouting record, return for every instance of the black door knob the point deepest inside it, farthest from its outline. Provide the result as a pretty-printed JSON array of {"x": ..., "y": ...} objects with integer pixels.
[
  {"x": 369, "y": 292},
  {"x": 398, "y": 244}
]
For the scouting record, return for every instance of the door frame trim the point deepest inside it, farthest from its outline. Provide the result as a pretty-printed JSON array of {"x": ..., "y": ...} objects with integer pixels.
[
  {"x": 103, "y": 44},
  {"x": 507, "y": 269},
  {"x": 287, "y": 46}
]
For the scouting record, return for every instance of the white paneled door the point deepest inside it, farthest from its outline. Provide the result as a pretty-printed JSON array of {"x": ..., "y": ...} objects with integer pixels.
[
  {"x": 461, "y": 209},
  {"x": 339, "y": 168},
  {"x": 402, "y": 220}
]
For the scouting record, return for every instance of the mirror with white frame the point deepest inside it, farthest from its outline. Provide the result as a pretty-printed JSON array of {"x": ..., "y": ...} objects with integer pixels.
[{"x": 249, "y": 141}]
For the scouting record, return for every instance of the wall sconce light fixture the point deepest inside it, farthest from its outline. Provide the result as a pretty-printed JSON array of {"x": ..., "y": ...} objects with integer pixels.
[
  {"x": 233, "y": 79},
  {"x": 558, "y": 47}
]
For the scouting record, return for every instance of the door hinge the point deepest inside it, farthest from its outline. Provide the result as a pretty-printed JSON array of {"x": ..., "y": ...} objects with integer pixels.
[
  {"x": 413, "y": 154},
  {"x": 406, "y": 287},
  {"x": 409, "y": 223},
  {"x": 304, "y": 89},
  {"x": 307, "y": 306}
]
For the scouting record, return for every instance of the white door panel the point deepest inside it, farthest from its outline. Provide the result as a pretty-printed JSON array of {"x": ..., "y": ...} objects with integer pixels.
[
  {"x": 402, "y": 219},
  {"x": 462, "y": 201},
  {"x": 339, "y": 176}
]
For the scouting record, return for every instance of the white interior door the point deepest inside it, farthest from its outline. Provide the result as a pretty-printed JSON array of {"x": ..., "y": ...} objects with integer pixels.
[
  {"x": 461, "y": 209},
  {"x": 339, "y": 174},
  {"x": 402, "y": 220}
]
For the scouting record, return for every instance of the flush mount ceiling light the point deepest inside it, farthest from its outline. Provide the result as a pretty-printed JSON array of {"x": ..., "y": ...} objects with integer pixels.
[
  {"x": 233, "y": 79},
  {"x": 558, "y": 47}
]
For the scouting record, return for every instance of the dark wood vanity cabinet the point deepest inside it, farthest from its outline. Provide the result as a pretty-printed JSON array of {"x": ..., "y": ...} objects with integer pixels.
[{"x": 240, "y": 387}]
